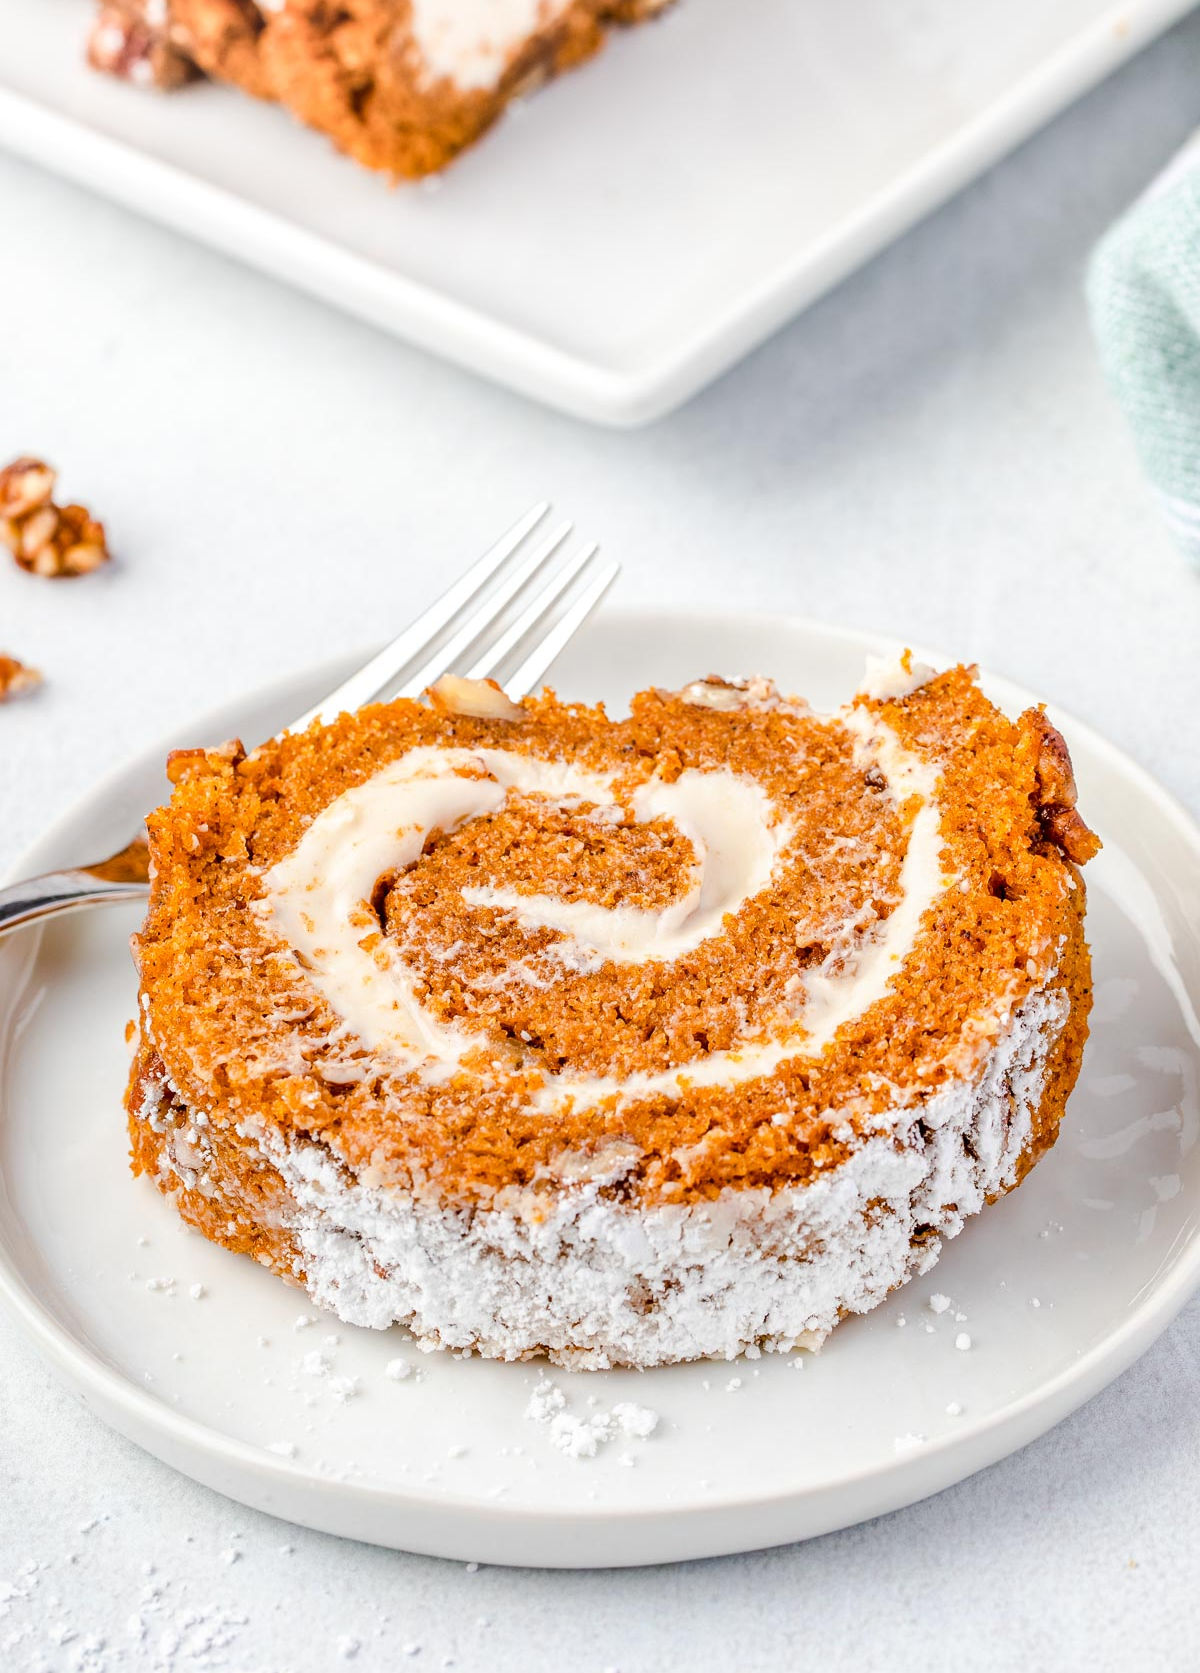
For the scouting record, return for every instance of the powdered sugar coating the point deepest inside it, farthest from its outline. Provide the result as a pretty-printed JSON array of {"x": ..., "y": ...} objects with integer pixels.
[{"x": 595, "y": 1282}]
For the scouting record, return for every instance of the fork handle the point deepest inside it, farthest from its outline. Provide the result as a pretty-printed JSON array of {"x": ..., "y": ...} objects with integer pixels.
[{"x": 55, "y": 892}]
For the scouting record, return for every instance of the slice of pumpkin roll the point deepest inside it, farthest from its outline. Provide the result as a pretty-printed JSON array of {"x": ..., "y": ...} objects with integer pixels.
[{"x": 622, "y": 1041}]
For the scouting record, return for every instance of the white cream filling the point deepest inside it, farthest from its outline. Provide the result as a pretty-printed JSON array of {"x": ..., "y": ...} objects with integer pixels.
[
  {"x": 318, "y": 896},
  {"x": 726, "y": 818},
  {"x": 890, "y": 677},
  {"x": 470, "y": 42},
  {"x": 318, "y": 900},
  {"x": 850, "y": 981}
]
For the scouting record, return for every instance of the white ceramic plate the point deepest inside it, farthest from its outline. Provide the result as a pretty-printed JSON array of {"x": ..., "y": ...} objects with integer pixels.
[
  {"x": 642, "y": 223},
  {"x": 1060, "y": 1286}
]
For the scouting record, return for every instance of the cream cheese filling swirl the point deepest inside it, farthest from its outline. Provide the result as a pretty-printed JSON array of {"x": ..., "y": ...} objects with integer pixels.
[{"x": 318, "y": 899}]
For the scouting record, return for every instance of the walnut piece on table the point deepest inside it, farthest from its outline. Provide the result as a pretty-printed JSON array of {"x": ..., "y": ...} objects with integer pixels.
[
  {"x": 45, "y": 538},
  {"x": 16, "y": 678},
  {"x": 130, "y": 40}
]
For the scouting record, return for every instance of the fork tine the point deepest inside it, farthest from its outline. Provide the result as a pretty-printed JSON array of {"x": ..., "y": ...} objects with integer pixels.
[
  {"x": 529, "y": 618},
  {"x": 529, "y": 675},
  {"x": 484, "y": 617},
  {"x": 370, "y": 679}
]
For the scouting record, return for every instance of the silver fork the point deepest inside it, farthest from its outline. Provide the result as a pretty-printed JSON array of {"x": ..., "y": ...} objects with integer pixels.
[{"x": 486, "y": 618}]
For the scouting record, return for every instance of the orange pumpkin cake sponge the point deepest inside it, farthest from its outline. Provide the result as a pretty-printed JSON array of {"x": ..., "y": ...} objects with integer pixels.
[{"x": 624, "y": 1041}]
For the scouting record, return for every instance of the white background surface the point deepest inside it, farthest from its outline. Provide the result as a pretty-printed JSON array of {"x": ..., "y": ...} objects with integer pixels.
[{"x": 929, "y": 452}]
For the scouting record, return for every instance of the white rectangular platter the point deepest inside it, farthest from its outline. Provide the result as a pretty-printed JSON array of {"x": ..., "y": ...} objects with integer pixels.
[{"x": 635, "y": 228}]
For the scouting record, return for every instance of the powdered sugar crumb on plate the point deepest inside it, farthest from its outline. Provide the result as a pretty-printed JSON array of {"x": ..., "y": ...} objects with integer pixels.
[
  {"x": 545, "y": 1402},
  {"x": 583, "y": 1437}
]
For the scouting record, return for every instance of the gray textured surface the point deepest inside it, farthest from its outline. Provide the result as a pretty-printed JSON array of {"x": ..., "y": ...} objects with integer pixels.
[{"x": 929, "y": 452}]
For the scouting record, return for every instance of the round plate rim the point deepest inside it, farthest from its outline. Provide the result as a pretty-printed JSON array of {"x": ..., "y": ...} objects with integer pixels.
[{"x": 991, "y": 1438}]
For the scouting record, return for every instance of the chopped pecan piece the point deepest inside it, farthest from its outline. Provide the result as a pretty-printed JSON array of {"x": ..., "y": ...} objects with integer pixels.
[
  {"x": 482, "y": 699},
  {"x": 45, "y": 538},
  {"x": 1055, "y": 775},
  {"x": 16, "y": 678},
  {"x": 25, "y": 485},
  {"x": 1064, "y": 826},
  {"x": 1056, "y": 793}
]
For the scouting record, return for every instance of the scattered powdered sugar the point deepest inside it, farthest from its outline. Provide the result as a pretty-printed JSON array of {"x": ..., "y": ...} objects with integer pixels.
[
  {"x": 583, "y": 1437},
  {"x": 398, "y": 1370},
  {"x": 962, "y": 1341},
  {"x": 315, "y": 1364},
  {"x": 100, "y": 1606},
  {"x": 635, "y": 1420},
  {"x": 909, "y": 1442},
  {"x": 166, "y": 1630},
  {"x": 938, "y": 1303},
  {"x": 546, "y": 1401}
]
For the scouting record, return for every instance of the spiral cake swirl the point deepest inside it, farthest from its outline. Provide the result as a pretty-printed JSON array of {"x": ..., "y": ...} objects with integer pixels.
[{"x": 623, "y": 1041}]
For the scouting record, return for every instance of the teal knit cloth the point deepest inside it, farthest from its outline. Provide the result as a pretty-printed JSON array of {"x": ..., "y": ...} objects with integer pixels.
[{"x": 1144, "y": 295}]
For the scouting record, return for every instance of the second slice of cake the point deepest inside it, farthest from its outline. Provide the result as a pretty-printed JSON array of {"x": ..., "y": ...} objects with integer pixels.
[{"x": 400, "y": 85}]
